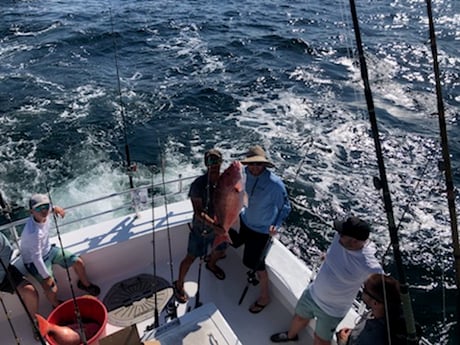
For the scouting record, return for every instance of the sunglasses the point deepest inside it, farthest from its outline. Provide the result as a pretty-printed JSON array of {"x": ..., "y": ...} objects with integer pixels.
[
  {"x": 213, "y": 161},
  {"x": 40, "y": 208},
  {"x": 257, "y": 164}
]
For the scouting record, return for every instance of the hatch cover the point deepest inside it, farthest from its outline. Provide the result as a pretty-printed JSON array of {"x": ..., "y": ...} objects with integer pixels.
[{"x": 133, "y": 300}]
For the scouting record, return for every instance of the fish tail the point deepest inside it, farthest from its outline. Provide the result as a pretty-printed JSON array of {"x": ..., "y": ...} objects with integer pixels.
[{"x": 43, "y": 325}]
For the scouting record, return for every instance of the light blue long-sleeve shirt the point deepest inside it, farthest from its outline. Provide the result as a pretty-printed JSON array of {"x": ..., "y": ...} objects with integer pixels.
[{"x": 268, "y": 201}]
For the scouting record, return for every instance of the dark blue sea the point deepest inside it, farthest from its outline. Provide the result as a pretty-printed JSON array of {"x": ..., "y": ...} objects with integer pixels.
[{"x": 229, "y": 74}]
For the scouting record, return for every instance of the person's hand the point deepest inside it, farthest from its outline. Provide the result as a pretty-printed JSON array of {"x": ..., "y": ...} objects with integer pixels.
[
  {"x": 59, "y": 211},
  {"x": 218, "y": 229},
  {"x": 272, "y": 230},
  {"x": 50, "y": 284},
  {"x": 343, "y": 335}
]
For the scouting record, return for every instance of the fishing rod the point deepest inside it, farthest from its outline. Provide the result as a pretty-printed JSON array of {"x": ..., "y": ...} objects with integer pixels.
[
  {"x": 7, "y": 209},
  {"x": 16, "y": 290},
  {"x": 13, "y": 330},
  {"x": 156, "y": 313},
  {"x": 252, "y": 278},
  {"x": 171, "y": 308},
  {"x": 131, "y": 168},
  {"x": 202, "y": 257},
  {"x": 69, "y": 279},
  {"x": 407, "y": 307},
  {"x": 446, "y": 164}
]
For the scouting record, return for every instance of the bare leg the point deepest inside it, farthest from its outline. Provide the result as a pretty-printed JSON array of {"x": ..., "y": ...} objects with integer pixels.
[
  {"x": 51, "y": 294},
  {"x": 319, "y": 341},
  {"x": 297, "y": 324},
  {"x": 80, "y": 270},
  {"x": 214, "y": 256},
  {"x": 183, "y": 269},
  {"x": 30, "y": 297},
  {"x": 264, "y": 297}
]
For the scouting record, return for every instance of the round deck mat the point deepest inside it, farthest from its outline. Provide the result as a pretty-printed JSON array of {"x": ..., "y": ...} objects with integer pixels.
[{"x": 133, "y": 300}]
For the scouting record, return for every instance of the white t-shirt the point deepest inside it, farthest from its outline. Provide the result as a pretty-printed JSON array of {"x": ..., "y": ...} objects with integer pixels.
[
  {"x": 35, "y": 244},
  {"x": 341, "y": 276}
]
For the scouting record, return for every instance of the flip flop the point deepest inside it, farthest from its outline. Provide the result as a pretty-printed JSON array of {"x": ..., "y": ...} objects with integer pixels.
[
  {"x": 207, "y": 257},
  {"x": 180, "y": 294},
  {"x": 256, "y": 307},
  {"x": 218, "y": 272}
]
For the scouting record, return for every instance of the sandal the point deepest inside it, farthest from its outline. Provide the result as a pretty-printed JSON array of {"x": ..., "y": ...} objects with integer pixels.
[
  {"x": 218, "y": 272},
  {"x": 208, "y": 257},
  {"x": 92, "y": 289},
  {"x": 180, "y": 294},
  {"x": 256, "y": 307},
  {"x": 283, "y": 338}
]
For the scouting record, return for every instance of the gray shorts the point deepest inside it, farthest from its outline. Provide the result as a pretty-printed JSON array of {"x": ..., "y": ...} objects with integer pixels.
[{"x": 308, "y": 309}]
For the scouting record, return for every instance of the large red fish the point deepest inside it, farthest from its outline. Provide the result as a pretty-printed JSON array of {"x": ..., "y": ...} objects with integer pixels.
[
  {"x": 229, "y": 199},
  {"x": 66, "y": 335}
]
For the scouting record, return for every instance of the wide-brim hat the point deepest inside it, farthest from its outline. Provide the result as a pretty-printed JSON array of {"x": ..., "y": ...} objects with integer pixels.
[
  {"x": 38, "y": 200},
  {"x": 256, "y": 154},
  {"x": 353, "y": 227}
]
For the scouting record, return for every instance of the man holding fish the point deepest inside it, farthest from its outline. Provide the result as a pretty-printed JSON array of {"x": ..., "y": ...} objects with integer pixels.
[
  {"x": 204, "y": 226},
  {"x": 268, "y": 206}
]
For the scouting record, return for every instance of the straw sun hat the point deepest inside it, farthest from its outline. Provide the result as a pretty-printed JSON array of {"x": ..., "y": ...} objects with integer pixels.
[{"x": 256, "y": 154}]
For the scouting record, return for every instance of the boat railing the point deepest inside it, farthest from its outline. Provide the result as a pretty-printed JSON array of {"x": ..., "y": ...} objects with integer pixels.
[{"x": 127, "y": 201}]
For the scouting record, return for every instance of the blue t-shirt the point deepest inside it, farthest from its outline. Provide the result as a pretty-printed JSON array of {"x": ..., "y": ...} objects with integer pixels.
[{"x": 268, "y": 201}]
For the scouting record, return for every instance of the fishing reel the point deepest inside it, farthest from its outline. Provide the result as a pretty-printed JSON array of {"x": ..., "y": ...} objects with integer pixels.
[
  {"x": 252, "y": 278},
  {"x": 171, "y": 310}
]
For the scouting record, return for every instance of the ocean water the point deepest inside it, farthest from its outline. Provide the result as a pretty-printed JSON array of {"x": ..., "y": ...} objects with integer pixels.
[{"x": 230, "y": 74}]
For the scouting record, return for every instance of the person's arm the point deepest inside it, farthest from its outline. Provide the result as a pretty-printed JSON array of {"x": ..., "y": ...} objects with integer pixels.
[
  {"x": 283, "y": 206},
  {"x": 202, "y": 216},
  {"x": 59, "y": 211},
  {"x": 343, "y": 335}
]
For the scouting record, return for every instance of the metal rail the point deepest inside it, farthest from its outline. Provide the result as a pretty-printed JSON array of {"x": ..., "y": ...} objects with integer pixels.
[{"x": 129, "y": 204}]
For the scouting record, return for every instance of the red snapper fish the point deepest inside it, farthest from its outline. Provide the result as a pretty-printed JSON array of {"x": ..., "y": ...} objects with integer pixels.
[
  {"x": 229, "y": 199},
  {"x": 66, "y": 335}
]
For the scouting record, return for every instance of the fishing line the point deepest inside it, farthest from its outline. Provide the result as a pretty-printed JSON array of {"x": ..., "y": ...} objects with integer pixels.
[
  {"x": 130, "y": 167},
  {"x": 69, "y": 279},
  {"x": 406, "y": 207}
]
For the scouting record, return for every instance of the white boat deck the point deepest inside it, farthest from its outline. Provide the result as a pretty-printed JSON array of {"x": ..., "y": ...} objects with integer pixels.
[{"x": 122, "y": 248}]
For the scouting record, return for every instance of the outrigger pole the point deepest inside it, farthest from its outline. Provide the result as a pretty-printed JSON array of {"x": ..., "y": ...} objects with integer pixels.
[
  {"x": 407, "y": 307},
  {"x": 446, "y": 161},
  {"x": 130, "y": 167}
]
